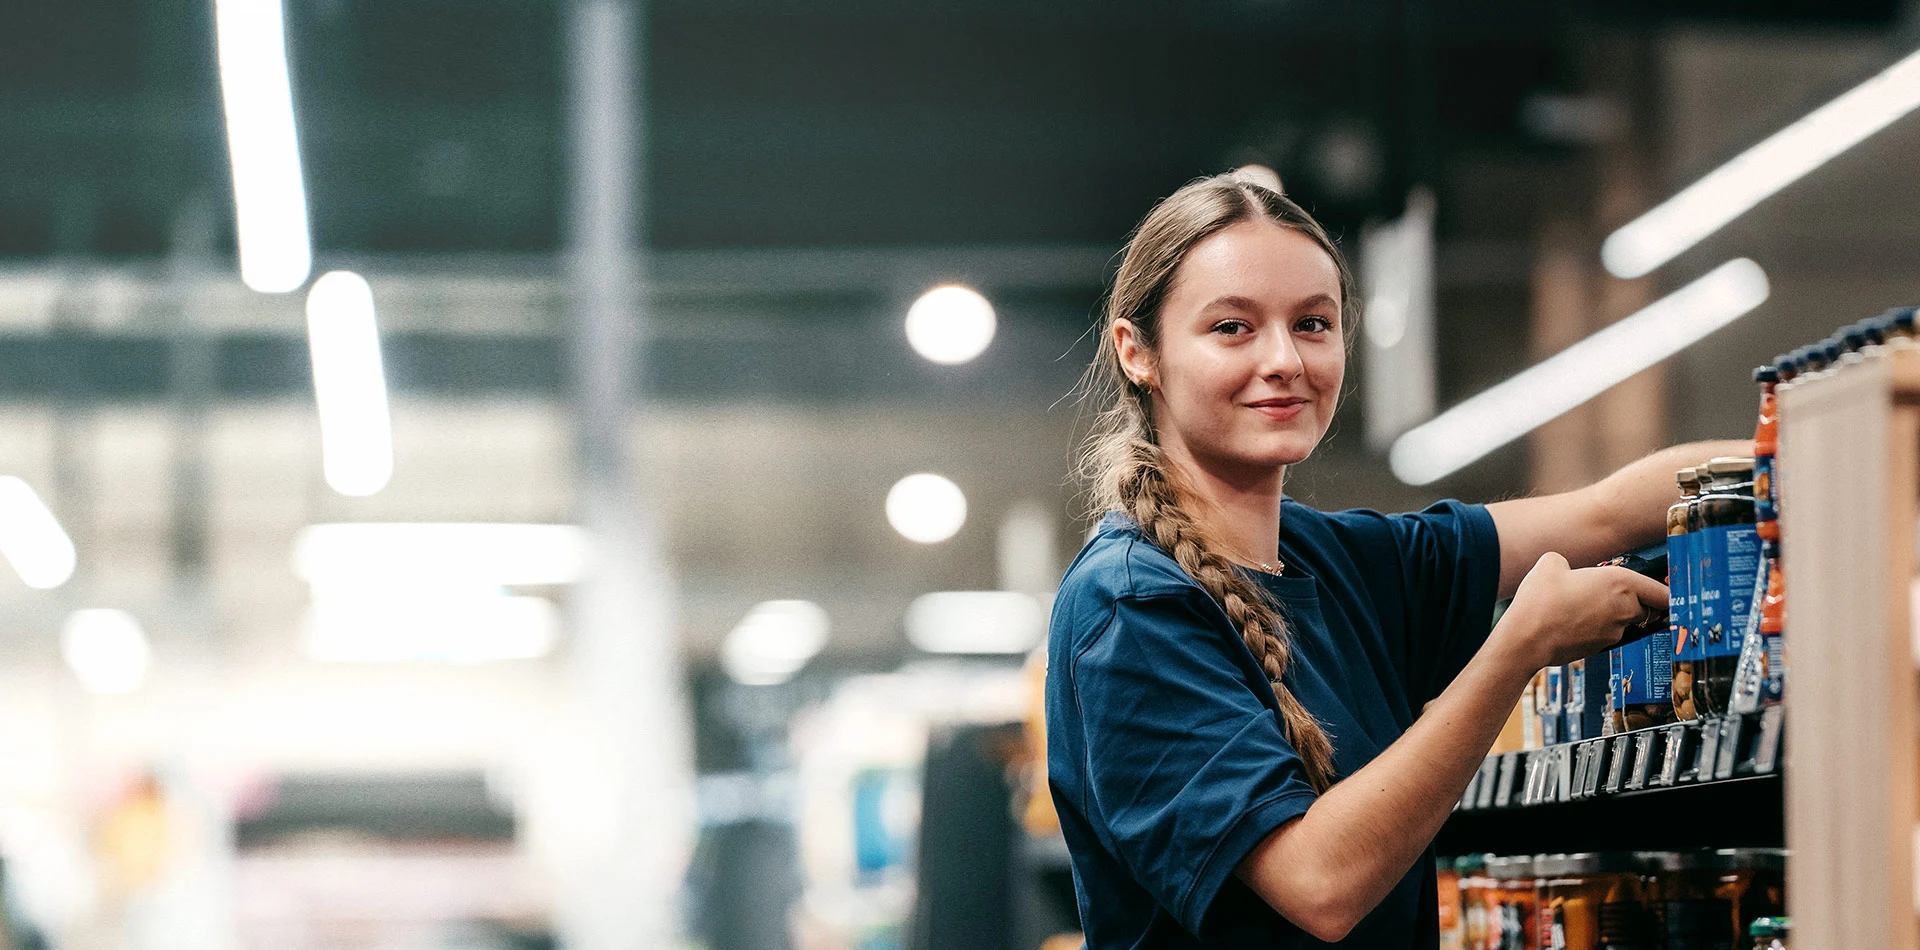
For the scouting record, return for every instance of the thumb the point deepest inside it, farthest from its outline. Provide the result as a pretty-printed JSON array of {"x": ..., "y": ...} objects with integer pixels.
[{"x": 1551, "y": 561}]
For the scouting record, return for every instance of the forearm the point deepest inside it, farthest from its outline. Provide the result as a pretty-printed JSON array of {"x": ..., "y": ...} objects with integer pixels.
[
  {"x": 1623, "y": 511},
  {"x": 1631, "y": 504},
  {"x": 1338, "y": 861}
]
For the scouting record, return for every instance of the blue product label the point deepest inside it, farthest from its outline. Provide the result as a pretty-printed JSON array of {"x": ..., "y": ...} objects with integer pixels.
[
  {"x": 1615, "y": 699},
  {"x": 1679, "y": 587},
  {"x": 1645, "y": 670},
  {"x": 1710, "y": 587},
  {"x": 1729, "y": 565},
  {"x": 1553, "y": 707}
]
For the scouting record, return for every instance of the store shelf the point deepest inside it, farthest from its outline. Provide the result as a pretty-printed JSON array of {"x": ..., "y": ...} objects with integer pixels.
[
  {"x": 1712, "y": 784},
  {"x": 1734, "y": 813}
]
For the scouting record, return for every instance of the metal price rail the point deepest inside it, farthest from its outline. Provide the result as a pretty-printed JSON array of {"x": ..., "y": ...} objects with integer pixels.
[{"x": 1711, "y": 783}]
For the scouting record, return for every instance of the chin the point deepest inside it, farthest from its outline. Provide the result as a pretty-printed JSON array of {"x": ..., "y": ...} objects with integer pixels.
[
  {"x": 1287, "y": 448},
  {"x": 1275, "y": 454}
]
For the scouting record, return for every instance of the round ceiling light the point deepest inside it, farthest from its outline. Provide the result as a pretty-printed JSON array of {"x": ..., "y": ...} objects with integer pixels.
[
  {"x": 926, "y": 508},
  {"x": 950, "y": 324}
]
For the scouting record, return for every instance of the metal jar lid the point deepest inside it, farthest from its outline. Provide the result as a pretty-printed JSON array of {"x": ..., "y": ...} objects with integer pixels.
[
  {"x": 1683, "y": 860},
  {"x": 1754, "y": 859}
]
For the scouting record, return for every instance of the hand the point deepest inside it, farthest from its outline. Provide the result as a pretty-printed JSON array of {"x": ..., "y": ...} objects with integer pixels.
[{"x": 1560, "y": 614}]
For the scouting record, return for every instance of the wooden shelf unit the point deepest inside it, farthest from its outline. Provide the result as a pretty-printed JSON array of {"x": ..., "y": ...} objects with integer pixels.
[{"x": 1849, "y": 486}]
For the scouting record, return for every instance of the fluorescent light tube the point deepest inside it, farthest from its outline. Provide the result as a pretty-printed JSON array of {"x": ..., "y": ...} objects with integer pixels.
[
  {"x": 773, "y": 641},
  {"x": 31, "y": 538},
  {"x": 358, "y": 554},
  {"x": 269, "y": 197},
  {"x": 450, "y": 624},
  {"x": 349, "y": 386},
  {"x": 976, "y": 621},
  {"x": 1463, "y": 434},
  {"x": 1727, "y": 192}
]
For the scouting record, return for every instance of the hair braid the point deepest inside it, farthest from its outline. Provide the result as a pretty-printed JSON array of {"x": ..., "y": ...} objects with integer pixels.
[{"x": 1124, "y": 465}]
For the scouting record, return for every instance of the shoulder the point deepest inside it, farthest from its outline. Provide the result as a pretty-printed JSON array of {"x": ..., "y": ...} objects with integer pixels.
[
  {"x": 1367, "y": 531},
  {"x": 1115, "y": 569}
]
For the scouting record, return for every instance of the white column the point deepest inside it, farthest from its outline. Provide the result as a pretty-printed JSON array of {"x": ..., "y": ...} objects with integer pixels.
[{"x": 619, "y": 884}]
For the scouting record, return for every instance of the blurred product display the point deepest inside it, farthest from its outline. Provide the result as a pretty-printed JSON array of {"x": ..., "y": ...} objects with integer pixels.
[{"x": 1622, "y": 900}]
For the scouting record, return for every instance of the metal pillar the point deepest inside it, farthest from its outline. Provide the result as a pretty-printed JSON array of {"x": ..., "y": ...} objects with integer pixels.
[{"x": 620, "y": 884}]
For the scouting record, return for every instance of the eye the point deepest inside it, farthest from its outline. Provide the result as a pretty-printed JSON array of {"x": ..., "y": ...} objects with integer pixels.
[
  {"x": 1233, "y": 327},
  {"x": 1313, "y": 325}
]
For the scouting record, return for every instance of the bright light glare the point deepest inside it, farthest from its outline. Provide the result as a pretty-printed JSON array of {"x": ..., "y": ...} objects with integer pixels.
[
  {"x": 106, "y": 649},
  {"x": 1578, "y": 373},
  {"x": 950, "y": 324},
  {"x": 1728, "y": 191},
  {"x": 342, "y": 555},
  {"x": 773, "y": 641},
  {"x": 270, "y": 200},
  {"x": 31, "y": 538},
  {"x": 447, "y": 624},
  {"x": 349, "y": 387},
  {"x": 976, "y": 621},
  {"x": 926, "y": 508}
]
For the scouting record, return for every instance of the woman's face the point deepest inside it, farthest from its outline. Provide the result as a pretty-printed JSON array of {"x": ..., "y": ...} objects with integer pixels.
[{"x": 1251, "y": 350}]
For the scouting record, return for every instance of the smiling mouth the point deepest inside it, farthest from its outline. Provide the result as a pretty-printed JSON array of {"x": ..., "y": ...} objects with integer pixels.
[{"x": 1281, "y": 409}]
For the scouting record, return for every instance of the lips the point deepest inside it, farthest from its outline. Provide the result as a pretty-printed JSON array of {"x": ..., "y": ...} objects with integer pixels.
[{"x": 1279, "y": 408}]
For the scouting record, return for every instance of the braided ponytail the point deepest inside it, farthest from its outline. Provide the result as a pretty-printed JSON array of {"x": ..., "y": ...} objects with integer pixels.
[{"x": 1123, "y": 463}]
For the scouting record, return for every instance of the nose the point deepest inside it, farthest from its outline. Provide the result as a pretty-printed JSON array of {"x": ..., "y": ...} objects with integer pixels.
[{"x": 1279, "y": 358}]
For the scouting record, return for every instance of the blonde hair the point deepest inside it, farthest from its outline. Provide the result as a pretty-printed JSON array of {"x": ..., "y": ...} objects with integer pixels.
[{"x": 1122, "y": 462}]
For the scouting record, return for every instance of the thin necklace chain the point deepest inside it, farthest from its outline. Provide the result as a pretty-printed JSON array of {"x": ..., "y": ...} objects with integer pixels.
[{"x": 1277, "y": 567}]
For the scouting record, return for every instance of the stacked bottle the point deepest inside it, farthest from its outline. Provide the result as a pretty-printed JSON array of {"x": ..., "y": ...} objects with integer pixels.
[
  {"x": 1728, "y": 557},
  {"x": 1760, "y": 677},
  {"x": 1682, "y": 596},
  {"x": 1762, "y": 674}
]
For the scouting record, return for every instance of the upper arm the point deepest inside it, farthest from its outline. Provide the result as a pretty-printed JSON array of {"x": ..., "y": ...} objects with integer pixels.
[
  {"x": 1574, "y": 524},
  {"x": 1187, "y": 767},
  {"x": 1448, "y": 577}
]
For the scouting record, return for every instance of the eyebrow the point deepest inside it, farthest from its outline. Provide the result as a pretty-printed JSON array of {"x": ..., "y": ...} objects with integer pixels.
[
  {"x": 1232, "y": 301},
  {"x": 1237, "y": 302}
]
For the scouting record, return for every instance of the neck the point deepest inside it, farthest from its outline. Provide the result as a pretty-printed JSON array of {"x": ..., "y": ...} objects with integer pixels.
[{"x": 1237, "y": 508}]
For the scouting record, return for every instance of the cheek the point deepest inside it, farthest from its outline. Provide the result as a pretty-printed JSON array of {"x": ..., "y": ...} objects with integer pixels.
[{"x": 1327, "y": 370}]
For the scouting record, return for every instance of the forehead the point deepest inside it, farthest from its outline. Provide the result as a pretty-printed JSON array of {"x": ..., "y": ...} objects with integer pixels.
[{"x": 1274, "y": 265}]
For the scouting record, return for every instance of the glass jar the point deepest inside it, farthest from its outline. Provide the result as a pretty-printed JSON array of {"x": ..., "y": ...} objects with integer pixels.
[
  {"x": 1754, "y": 882},
  {"x": 1569, "y": 902},
  {"x": 1513, "y": 911},
  {"x": 1727, "y": 546},
  {"x": 1628, "y": 912},
  {"x": 1693, "y": 915},
  {"x": 1682, "y": 598},
  {"x": 1592, "y": 902},
  {"x": 1474, "y": 885},
  {"x": 1447, "y": 879}
]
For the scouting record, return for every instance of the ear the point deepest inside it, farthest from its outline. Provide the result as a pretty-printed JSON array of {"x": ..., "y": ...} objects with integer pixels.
[{"x": 1135, "y": 359}]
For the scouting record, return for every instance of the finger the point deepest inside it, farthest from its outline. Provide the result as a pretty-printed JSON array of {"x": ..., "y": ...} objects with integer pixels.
[
  {"x": 1650, "y": 593},
  {"x": 1551, "y": 561}
]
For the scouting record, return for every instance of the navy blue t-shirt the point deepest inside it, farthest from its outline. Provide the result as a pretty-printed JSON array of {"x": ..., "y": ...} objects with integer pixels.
[{"x": 1164, "y": 748}]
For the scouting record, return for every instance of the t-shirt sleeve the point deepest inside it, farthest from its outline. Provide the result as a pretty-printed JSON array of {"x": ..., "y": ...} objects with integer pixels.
[
  {"x": 1450, "y": 555},
  {"x": 1186, "y": 765}
]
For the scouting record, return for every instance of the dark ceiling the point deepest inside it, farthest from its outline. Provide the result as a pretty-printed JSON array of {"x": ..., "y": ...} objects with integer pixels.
[{"x": 437, "y": 125}]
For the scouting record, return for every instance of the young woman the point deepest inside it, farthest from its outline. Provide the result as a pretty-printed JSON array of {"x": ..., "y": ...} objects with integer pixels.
[{"x": 1236, "y": 742}]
